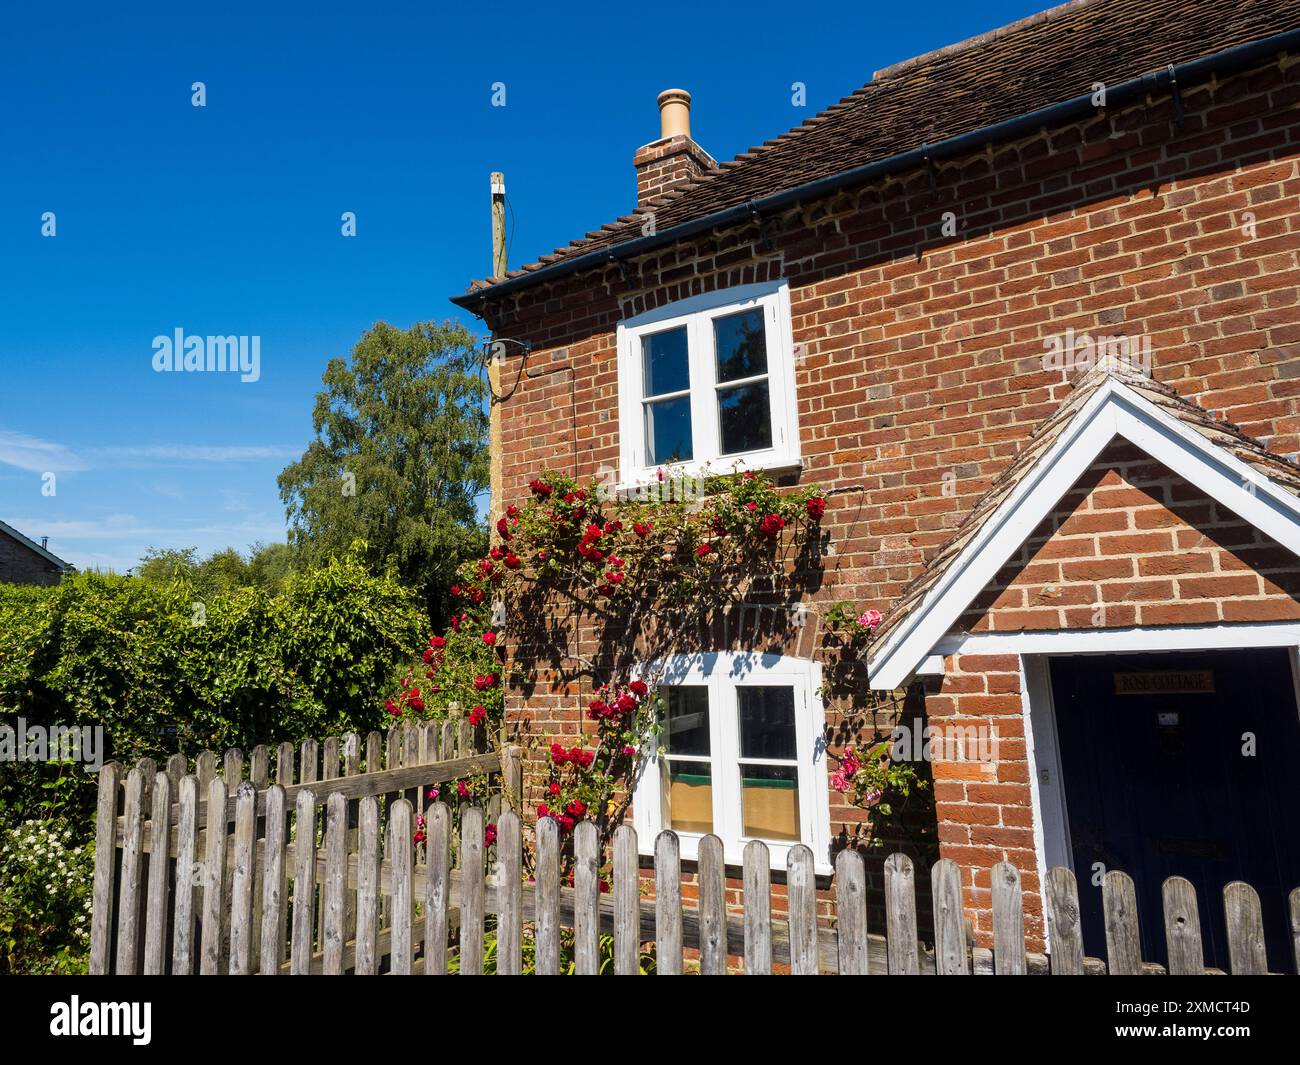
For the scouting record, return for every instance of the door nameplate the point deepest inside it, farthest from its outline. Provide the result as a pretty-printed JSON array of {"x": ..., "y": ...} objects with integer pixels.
[{"x": 1166, "y": 682}]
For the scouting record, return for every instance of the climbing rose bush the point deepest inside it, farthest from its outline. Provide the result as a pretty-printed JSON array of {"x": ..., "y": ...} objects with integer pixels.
[{"x": 645, "y": 570}]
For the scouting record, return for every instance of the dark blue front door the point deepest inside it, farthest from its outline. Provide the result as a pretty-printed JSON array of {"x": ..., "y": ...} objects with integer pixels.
[{"x": 1193, "y": 771}]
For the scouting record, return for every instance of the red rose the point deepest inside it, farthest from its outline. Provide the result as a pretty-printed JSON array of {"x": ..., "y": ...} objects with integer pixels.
[
  {"x": 417, "y": 703},
  {"x": 554, "y": 789},
  {"x": 638, "y": 687},
  {"x": 489, "y": 638},
  {"x": 428, "y": 654},
  {"x": 512, "y": 511},
  {"x": 497, "y": 553},
  {"x": 771, "y": 526},
  {"x": 543, "y": 810},
  {"x": 816, "y": 508},
  {"x": 642, "y": 528},
  {"x": 702, "y": 550},
  {"x": 540, "y": 488},
  {"x": 593, "y": 532},
  {"x": 477, "y": 716},
  {"x": 455, "y": 590},
  {"x": 437, "y": 642},
  {"x": 607, "y": 590},
  {"x": 626, "y": 703}
]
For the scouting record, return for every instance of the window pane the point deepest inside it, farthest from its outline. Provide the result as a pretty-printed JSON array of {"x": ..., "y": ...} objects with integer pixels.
[
  {"x": 766, "y": 722},
  {"x": 667, "y": 368},
  {"x": 740, "y": 341},
  {"x": 769, "y": 796},
  {"x": 688, "y": 796},
  {"x": 744, "y": 418},
  {"x": 668, "y": 431},
  {"x": 686, "y": 730}
]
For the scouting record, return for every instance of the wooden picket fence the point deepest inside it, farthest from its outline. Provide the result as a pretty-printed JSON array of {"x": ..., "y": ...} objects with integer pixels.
[
  {"x": 359, "y": 895},
  {"x": 231, "y": 867}
]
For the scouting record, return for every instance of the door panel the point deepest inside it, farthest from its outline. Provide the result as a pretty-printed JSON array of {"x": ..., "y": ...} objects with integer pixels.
[{"x": 1194, "y": 783}]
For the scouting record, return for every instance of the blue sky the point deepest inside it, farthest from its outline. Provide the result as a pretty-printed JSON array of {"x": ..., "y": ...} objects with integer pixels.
[{"x": 225, "y": 219}]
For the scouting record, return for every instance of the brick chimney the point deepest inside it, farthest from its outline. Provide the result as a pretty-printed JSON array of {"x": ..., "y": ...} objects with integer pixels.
[{"x": 674, "y": 158}]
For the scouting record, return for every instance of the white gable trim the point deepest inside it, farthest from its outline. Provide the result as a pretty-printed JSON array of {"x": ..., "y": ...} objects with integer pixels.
[{"x": 1115, "y": 410}]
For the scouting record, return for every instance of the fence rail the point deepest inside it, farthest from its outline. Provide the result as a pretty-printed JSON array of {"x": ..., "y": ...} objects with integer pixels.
[{"x": 325, "y": 876}]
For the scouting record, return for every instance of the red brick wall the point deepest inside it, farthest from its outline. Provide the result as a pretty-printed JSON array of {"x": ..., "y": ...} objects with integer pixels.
[
  {"x": 19, "y": 564},
  {"x": 664, "y": 164},
  {"x": 1132, "y": 543},
  {"x": 984, "y": 809},
  {"x": 920, "y": 357}
]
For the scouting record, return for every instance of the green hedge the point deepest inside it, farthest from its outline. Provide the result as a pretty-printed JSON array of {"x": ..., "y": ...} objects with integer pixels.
[{"x": 161, "y": 672}]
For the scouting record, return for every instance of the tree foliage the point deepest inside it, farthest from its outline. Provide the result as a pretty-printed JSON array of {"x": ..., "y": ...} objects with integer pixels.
[
  {"x": 133, "y": 657},
  {"x": 399, "y": 457},
  {"x": 265, "y": 567}
]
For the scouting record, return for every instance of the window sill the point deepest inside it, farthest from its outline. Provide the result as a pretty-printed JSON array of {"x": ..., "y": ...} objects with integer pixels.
[
  {"x": 776, "y": 467},
  {"x": 733, "y": 854}
]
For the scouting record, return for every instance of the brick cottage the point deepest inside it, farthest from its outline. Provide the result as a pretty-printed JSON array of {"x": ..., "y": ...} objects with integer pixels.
[
  {"x": 1027, "y": 309},
  {"x": 23, "y": 561}
]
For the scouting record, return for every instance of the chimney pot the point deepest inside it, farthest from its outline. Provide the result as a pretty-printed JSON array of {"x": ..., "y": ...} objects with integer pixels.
[
  {"x": 45, "y": 541},
  {"x": 673, "y": 159},
  {"x": 674, "y": 113}
]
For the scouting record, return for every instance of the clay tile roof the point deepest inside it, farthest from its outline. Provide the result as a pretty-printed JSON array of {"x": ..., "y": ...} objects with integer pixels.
[
  {"x": 1279, "y": 470},
  {"x": 1046, "y": 59}
]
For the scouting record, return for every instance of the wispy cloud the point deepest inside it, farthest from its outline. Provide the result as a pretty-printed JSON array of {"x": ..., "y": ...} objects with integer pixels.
[
  {"x": 194, "y": 453},
  {"x": 38, "y": 456},
  {"x": 44, "y": 456}
]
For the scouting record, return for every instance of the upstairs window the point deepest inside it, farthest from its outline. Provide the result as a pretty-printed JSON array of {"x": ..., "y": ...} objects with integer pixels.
[
  {"x": 741, "y": 755},
  {"x": 709, "y": 380}
]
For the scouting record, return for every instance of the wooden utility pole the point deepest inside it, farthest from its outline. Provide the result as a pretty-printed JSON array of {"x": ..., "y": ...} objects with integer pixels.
[
  {"x": 498, "y": 224},
  {"x": 494, "y": 363}
]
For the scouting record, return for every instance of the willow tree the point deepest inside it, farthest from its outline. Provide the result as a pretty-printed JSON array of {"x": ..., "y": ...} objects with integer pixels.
[{"x": 399, "y": 457}]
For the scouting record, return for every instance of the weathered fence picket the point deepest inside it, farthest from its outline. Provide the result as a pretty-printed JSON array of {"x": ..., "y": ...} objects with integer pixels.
[
  {"x": 851, "y": 913},
  {"x": 547, "y": 934},
  {"x": 713, "y": 907},
  {"x": 758, "y": 909},
  {"x": 209, "y": 872},
  {"x": 950, "y": 958},
  {"x": 1008, "y": 921},
  {"x": 155, "y": 925},
  {"x": 900, "y": 915},
  {"x": 1119, "y": 908},
  {"x": 1063, "y": 928},
  {"x": 668, "y": 904},
  {"x": 1182, "y": 928},
  {"x": 803, "y": 911},
  {"x": 1245, "y": 924}
]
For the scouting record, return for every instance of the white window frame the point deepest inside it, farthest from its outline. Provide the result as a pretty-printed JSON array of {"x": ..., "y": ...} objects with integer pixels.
[
  {"x": 723, "y": 673},
  {"x": 697, "y": 315}
]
